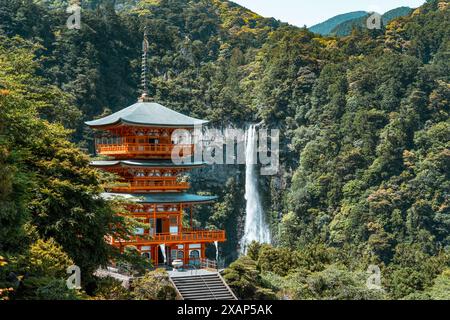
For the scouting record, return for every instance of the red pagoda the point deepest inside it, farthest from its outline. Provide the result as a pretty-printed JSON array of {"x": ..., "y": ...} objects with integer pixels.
[{"x": 137, "y": 143}]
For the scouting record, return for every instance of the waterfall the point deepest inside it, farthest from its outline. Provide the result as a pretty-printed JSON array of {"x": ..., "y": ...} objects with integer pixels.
[
  {"x": 255, "y": 226},
  {"x": 216, "y": 243}
]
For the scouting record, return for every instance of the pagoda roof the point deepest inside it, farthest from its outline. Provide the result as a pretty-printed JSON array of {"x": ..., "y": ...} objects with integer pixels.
[
  {"x": 147, "y": 114},
  {"x": 145, "y": 163},
  {"x": 161, "y": 197}
]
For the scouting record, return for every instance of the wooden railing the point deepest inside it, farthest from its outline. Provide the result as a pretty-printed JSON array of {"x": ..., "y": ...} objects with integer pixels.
[
  {"x": 149, "y": 185},
  {"x": 167, "y": 238},
  {"x": 208, "y": 264},
  {"x": 142, "y": 149}
]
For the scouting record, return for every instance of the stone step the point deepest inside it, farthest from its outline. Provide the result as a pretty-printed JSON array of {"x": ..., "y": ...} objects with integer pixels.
[{"x": 202, "y": 287}]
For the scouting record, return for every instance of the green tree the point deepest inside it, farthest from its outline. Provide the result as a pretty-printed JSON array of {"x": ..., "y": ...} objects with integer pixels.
[
  {"x": 154, "y": 285},
  {"x": 243, "y": 278}
]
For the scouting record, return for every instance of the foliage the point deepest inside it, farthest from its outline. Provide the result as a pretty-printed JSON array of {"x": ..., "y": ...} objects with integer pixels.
[
  {"x": 4, "y": 292},
  {"x": 364, "y": 125},
  {"x": 441, "y": 287},
  {"x": 253, "y": 250},
  {"x": 47, "y": 288},
  {"x": 57, "y": 290},
  {"x": 46, "y": 258},
  {"x": 333, "y": 283},
  {"x": 49, "y": 186},
  {"x": 277, "y": 260},
  {"x": 413, "y": 270},
  {"x": 110, "y": 289},
  {"x": 243, "y": 278},
  {"x": 154, "y": 285},
  {"x": 131, "y": 262}
]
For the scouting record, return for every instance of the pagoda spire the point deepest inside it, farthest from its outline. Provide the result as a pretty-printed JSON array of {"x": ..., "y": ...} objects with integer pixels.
[{"x": 144, "y": 74}]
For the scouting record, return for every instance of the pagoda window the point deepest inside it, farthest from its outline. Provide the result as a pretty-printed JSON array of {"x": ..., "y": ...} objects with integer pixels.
[
  {"x": 194, "y": 257},
  {"x": 173, "y": 254},
  {"x": 173, "y": 228}
]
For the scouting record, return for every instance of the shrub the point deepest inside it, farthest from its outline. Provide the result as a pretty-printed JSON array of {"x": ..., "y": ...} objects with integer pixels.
[
  {"x": 154, "y": 285},
  {"x": 56, "y": 289},
  {"x": 47, "y": 258},
  {"x": 243, "y": 278},
  {"x": 333, "y": 283},
  {"x": 110, "y": 289}
]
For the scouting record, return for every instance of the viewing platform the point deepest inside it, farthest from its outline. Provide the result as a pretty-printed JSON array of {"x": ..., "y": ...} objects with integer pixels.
[
  {"x": 186, "y": 236},
  {"x": 157, "y": 151},
  {"x": 164, "y": 184}
]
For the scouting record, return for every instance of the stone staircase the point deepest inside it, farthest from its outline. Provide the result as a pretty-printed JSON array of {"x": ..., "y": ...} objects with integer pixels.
[{"x": 201, "y": 286}]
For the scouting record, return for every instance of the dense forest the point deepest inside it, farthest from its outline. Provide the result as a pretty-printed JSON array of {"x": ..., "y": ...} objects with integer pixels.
[{"x": 365, "y": 145}]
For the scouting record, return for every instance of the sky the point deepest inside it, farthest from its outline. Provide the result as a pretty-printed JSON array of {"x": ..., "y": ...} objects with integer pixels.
[{"x": 311, "y": 12}]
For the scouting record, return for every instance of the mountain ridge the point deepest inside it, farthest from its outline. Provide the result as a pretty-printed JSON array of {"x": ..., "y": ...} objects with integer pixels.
[
  {"x": 345, "y": 28},
  {"x": 341, "y": 25},
  {"x": 328, "y": 25}
]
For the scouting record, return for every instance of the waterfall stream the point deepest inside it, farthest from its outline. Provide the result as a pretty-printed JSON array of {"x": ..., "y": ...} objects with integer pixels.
[
  {"x": 255, "y": 226},
  {"x": 216, "y": 244}
]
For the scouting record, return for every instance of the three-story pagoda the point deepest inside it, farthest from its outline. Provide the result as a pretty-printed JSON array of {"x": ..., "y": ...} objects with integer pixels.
[{"x": 137, "y": 142}]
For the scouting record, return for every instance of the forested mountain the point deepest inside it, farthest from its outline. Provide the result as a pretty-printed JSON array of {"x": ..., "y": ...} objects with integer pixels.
[
  {"x": 365, "y": 134},
  {"x": 326, "y": 27},
  {"x": 346, "y": 27},
  {"x": 396, "y": 13},
  {"x": 342, "y": 25}
]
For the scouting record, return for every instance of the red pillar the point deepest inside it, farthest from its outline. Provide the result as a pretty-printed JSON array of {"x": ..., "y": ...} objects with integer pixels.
[{"x": 155, "y": 250}]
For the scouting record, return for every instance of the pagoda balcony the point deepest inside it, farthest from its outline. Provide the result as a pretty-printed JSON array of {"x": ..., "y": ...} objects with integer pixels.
[
  {"x": 130, "y": 150},
  {"x": 149, "y": 185},
  {"x": 187, "y": 236}
]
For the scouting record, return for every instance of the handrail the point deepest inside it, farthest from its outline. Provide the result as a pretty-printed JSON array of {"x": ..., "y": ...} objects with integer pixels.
[
  {"x": 183, "y": 236},
  {"x": 204, "y": 282},
  {"x": 160, "y": 147},
  {"x": 205, "y": 262},
  {"x": 206, "y": 285},
  {"x": 152, "y": 185},
  {"x": 154, "y": 178}
]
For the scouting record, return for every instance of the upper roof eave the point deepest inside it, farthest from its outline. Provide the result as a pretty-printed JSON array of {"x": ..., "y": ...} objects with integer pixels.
[
  {"x": 148, "y": 114},
  {"x": 138, "y": 124}
]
